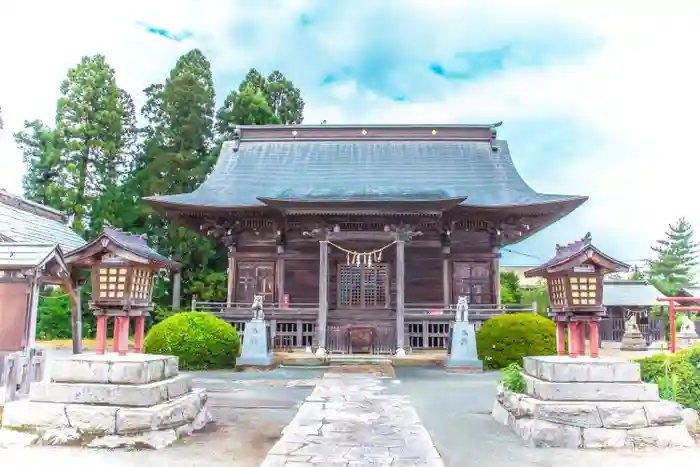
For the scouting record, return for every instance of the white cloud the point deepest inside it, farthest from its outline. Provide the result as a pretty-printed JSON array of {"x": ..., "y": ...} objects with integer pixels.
[{"x": 636, "y": 96}]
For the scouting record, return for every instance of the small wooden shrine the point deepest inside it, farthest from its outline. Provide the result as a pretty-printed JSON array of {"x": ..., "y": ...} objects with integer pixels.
[
  {"x": 24, "y": 268},
  {"x": 123, "y": 271},
  {"x": 575, "y": 286}
]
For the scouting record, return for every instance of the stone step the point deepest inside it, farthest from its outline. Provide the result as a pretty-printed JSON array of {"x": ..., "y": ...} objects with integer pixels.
[
  {"x": 564, "y": 369},
  {"x": 339, "y": 360},
  {"x": 598, "y": 391},
  {"x": 129, "y": 395},
  {"x": 112, "y": 368}
]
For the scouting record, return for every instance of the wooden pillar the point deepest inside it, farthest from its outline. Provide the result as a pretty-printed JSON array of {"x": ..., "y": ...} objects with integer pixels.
[
  {"x": 446, "y": 282},
  {"x": 177, "y": 283},
  {"x": 400, "y": 295},
  {"x": 496, "y": 271},
  {"x": 594, "y": 338},
  {"x": 279, "y": 275},
  {"x": 231, "y": 285},
  {"x": 77, "y": 321},
  {"x": 116, "y": 324},
  {"x": 322, "y": 296},
  {"x": 101, "y": 335},
  {"x": 561, "y": 339},
  {"x": 33, "y": 313},
  {"x": 123, "y": 335},
  {"x": 581, "y": 336},
  {"x": 139, "y": 328},
  {"x": 573, "y": 347}
]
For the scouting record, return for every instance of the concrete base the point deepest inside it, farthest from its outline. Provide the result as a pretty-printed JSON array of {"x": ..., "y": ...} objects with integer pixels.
[
  {"x": 577, "y": 403},
  {"x": 633, "y": 341},
  {"x": 685, "y": 340},
  {"x": 463, "y": 354},
  {"x": 255, "y": 351},
  {"x": 151, "y": 406}
]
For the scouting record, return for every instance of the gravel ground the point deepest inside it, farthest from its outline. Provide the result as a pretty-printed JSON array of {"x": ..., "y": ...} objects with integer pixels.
[{"x": 251, "y": 409}]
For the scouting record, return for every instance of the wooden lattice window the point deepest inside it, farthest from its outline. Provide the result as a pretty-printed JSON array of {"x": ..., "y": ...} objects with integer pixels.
[
  {"x": 141, "y": 284},
  {"x": 363, "y": 286},
  {"x": 584, "y": 290},
  {"x": 557, "y": 291},
  {"x": 472, "y": 279},
  {"x": 112, "y": 282}
]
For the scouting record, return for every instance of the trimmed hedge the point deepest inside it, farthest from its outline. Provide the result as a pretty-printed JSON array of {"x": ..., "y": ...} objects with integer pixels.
[
  {"x": 506, "y": 339},
  {"x": 678, "y": 375},
  {"x": 200, "y": 340}
]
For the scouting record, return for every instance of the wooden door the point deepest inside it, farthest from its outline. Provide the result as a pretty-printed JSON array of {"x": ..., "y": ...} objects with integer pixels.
[
  {"x": 363, "y": 286},
  {"x": 473, "y": 279},
  {"x": 255, "y": 278}
]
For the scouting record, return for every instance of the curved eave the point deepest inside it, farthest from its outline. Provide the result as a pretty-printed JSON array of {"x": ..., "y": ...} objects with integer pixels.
[
  {"x": 564, "y": 264},
  {"x": 393, "y": 204},
  {"x": 95, "y": 246}
]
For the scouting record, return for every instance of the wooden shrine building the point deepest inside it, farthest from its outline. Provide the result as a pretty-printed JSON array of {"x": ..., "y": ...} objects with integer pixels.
[{"x": 360, "y": 236}]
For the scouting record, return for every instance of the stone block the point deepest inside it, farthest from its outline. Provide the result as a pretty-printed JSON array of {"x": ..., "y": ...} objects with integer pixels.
[
  {"x": 691, "y": 420},
  {"x": 675, "y": 436},
  {"x": 26, "y": 413},
  {"x": 543, "y": 434},
  {"x": 463, "y": 352},
  {"x": 16, "y": 439},
  {"x": 590, "y": 392},
  {"x": 180, "y": 411},
  {"x": 603, "y": 438},
  {"x": 561, "y": 369},
  {"x": 664, "y": 413},
  {"x": 579, "y": 415},
  {"x": 128, "y": 395},
  {"x": 114, "y": 369},
  {"x": 500, "y": 414},
  {"x": 92, "y": 418},
  {"x": 622, "y": 415},
  {"x": 254, "y": 351}
]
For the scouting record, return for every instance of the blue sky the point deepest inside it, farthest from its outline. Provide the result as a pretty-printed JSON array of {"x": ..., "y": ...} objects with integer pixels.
[{"x": 594, "y": 95}]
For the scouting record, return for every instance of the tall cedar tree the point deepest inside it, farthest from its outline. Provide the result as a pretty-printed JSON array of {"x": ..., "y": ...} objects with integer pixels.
[
  {"x": 175, "y": 157},
  {"x": 676, "y": 255}
]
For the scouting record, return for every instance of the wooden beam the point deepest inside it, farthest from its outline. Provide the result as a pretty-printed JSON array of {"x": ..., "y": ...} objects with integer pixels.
[
  {"x": 322, "y": 294},
  {"x": 231, "y": 284},
  {"x": 279, "y": 275},
  {"x": 177, "y": 284},
  {"x": 446, "y": 279},
  {"x": 400, "y": 293}
]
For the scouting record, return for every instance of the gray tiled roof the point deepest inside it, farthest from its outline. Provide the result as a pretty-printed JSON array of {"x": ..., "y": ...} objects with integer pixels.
[
  {"x": 354, "y": 170},
  {"x": 135, "y": 244},
  {"x": 630, "y": 293},
  {"x": 20, "y": 255},
  {"x": 18, "y": 225}
]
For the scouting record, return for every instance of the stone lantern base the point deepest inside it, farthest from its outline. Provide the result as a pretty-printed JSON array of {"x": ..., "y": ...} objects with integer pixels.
[
  {"x": 589, "y": 403},
  {"x": 111, "y": 401}
]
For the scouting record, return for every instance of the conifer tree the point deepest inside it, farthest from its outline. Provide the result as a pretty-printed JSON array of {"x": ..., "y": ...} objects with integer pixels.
[{"x": 676, "y": 256}]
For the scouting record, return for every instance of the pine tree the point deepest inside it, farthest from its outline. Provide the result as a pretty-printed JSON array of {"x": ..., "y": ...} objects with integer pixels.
[{"x": 676, "y": 255}]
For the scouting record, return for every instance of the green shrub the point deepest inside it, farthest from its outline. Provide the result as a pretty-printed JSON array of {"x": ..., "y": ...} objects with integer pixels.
[
  {"x": 200, "y": 340},
  {"x": 678, "y": 378},
  {"x": 513, "y": 379},
  {"x": 506, "y": 339}
]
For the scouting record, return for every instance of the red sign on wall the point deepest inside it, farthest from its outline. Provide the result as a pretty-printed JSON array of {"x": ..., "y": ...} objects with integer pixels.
[{"x": 285, "y": 301}]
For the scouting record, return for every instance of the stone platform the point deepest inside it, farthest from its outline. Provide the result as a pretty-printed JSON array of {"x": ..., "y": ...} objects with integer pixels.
[
  {"x": 589, "y": 403},
  {"x": 111, "y": 401}
]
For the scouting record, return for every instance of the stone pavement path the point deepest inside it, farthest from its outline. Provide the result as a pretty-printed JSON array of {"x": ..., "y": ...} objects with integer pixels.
[{"x": 350, "y": 420}]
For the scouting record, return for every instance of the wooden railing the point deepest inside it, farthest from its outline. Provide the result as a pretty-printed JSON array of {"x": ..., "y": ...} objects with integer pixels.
[{"x": 17, "y": 372}]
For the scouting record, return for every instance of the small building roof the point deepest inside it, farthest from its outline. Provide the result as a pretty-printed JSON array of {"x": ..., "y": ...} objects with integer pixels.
[
  {"x": 382, "y": 163},
  {"x": 630, "y": 293},
  {"x": 25, "y": 221},
  {"x": 577, "y": 253},
  {"x": 112, "y": 238}
]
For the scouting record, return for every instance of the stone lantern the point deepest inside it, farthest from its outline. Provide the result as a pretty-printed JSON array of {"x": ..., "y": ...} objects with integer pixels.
[
  {"x": 575, "y": 286},
  {"x": 123, "y": 270}
]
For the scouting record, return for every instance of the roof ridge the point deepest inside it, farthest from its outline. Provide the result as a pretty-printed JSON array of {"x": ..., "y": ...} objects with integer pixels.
[{"x": 26, "y": 205}]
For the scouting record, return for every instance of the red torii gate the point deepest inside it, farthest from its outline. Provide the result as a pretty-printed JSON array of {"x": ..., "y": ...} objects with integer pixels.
[{"x": 672, "y": 308}]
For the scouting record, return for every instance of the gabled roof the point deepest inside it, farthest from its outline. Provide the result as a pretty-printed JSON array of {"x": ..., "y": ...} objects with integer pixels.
[
  {"x": 630, "y": 293},
  {"x": 14, "y": 256},
  {"x": 577, "y": 253},
  {"x": 25, "y": 221},
  {"x": 381, "y": 163},
  {"x": 118, "y": 241}
]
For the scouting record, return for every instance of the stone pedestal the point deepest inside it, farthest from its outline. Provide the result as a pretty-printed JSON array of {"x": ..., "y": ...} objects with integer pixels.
[
  {"x": 255, "y": 351},
  {"x": 589, "y": 403},
  {"x": 111, "y": 401},
  {"x": 685, "y": 339},
  {"x": 463, "y": 354},
  {"x": 632, "y": 339}
]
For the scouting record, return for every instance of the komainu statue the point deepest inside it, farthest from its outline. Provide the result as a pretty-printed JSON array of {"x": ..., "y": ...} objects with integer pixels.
[
  {"x": 258, "y": 308},
  {"x": 631, "y": 323},
  {"x": 462, "y": 310},
  {"x": 687, "y": 325}
]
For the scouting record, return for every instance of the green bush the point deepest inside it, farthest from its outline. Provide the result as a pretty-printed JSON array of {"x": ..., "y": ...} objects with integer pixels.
[
  {"x": 200, "y": 340},
  {"x": 676, "y": 374},
  {"x": 506, "y": 339},
  {"x": 513, "y": 379}
]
